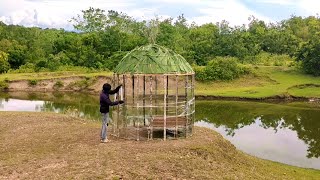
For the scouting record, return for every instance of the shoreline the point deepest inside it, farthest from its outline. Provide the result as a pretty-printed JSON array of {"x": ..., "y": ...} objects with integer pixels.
[
  {"x": 92, "y": 85},
  {"x": 277, "y": 98}
]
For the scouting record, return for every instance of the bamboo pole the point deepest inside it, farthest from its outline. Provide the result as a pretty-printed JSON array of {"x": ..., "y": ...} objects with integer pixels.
[
  {"x": 176, "y": 133},
  {"x": 156, "y": 93},
  {"x": 144, "y": 100},
  {"x": 133, "y": 89},
  {"x": 194, "y": 103},
  {"x": 186, "y": 106},
  {"x": 164, "y": 109},
  {"x": 151, "y": 123},
  {"x": 124, "y": 108},
  {"x": 138, "y": 94},
  {"x": 113, "y": 108},
  {"x": 118, "y": 107}
]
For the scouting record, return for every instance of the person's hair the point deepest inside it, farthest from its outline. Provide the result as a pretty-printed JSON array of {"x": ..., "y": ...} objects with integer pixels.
[{"x": 106, "y": 87}]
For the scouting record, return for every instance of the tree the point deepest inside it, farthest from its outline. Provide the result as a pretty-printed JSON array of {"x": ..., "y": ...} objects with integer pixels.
[
  {"x": 309, "y": 55},
  {"x": 91, "y": 20},
  {"x": 4, "y": 64},
  {"x": 203, "y": 39}
]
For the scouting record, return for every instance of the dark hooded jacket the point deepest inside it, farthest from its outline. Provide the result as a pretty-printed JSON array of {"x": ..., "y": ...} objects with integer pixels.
[{"x": 105, "y": 101}]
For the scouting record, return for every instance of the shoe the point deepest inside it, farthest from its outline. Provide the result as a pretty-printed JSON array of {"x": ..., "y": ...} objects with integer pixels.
[{"x": 105, "y": 140}]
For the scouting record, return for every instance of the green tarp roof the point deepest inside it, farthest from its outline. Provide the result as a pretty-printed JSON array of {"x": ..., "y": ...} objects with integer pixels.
[{"x": 153, "y": 59}]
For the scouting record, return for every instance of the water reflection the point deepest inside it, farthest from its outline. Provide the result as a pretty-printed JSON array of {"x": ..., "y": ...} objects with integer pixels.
[
  {"x": 287, "y": 133},
  {"x": 74, "y": 104}
]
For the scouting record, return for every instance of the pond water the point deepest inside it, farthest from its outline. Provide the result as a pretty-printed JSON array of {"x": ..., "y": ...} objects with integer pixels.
[{"x": 283, "y": 132}]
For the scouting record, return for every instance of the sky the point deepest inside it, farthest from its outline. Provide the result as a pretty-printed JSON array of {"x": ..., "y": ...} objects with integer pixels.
[{"x": 57, "y": 13}]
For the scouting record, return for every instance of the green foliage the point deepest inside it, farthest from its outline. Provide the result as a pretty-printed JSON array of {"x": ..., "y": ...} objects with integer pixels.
[
  {"x": 107, "y": 36},
  {"x": 4, "y": 64},
  {"x": 267, "y": 59},
  {"x": 91, "y": 20},
  {"x": 58, "y": 84},
  {"x": 114, "y": 60},
  {"x": 82, "y": 84},
  {"x": 32, "y": 82},
  {"x": 4, "y": 85},
  {"x": 26, "y": 68},
  {"x": 309, "y": 55},
  {"x": 221, "y": 68}
]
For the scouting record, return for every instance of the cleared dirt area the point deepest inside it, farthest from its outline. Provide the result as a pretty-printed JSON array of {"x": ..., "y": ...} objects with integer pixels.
[{"x": 55, "y": 146}]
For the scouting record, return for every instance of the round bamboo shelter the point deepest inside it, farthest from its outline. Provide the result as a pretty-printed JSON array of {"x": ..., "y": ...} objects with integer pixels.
[{"x": 158, "y": 90}]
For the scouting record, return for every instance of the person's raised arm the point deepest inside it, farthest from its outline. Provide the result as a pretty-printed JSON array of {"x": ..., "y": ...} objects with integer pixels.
[
  {"x": 107, "y": 100},
  {"x": 115, "y": 90}
]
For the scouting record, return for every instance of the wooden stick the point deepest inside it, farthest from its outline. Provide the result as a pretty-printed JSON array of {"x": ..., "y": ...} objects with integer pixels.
[
  {"x": 144, "y": 100},
  {"x": 194, "y": 103},
  {"x": 186, "y": 108},
  {"x": 118, "y": 108},
  {"x": 156, "y": 95},
  {"x": 176, "y": 133},
  {"x": 151, "y": 125},
  {"x": 133, "y": 89},
  {"x": 164, "y": 109},
  {"x": 124, "y": 108}
]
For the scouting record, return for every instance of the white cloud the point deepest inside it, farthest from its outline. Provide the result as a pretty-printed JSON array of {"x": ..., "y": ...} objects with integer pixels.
[
  {"x": 278, "y": 2},
  {"x": 230, "y": 10},
  {"x": 51, "y": 13},
  {"x": 310, "y": 6},
  {"x": 56, "y": 13},
  {"x": 304, "y": 7}
]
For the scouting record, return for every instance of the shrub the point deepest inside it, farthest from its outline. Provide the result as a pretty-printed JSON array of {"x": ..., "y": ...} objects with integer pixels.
[
  {"x": 4, "y": 64},
  {"x": 26, "y": 68},
  {"x": 33, "y": 82},
  {"x": 4, "y": 85},
  {"x": 309, "y": 56},
  {"x": 199, "y": 72},
  {"x": 82, "y": 84},
  {"x": 58, "y": 84},
  {"x": 267, "y": 59},
  {"x": 221, "y": 68}
]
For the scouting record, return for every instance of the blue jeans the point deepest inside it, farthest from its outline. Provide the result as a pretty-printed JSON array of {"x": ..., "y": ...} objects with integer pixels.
[{"x": 104, "y": 128}]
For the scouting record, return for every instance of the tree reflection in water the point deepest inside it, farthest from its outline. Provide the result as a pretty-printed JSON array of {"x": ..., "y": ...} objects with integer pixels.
[{"x": 302, "y": 117}]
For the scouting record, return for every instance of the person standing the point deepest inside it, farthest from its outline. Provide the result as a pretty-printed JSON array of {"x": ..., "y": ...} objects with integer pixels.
[{"x": 105, "y": 103}]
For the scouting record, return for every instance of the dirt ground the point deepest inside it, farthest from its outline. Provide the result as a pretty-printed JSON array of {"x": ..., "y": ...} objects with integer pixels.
[{"x": 55, "y": 146}]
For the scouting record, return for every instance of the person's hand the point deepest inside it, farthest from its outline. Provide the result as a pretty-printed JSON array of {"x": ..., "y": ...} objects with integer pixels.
[
  {"x": 120, "y": 86},
  {"x": 121, "y": 102}
]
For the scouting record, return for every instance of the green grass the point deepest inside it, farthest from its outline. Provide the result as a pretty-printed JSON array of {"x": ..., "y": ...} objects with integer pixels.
[
  {"x": 49, "y": 75},
  {"x": 267, "y": 82}
]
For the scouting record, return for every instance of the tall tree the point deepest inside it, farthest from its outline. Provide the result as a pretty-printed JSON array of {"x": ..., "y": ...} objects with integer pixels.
[{"x": 91, "y": 20}]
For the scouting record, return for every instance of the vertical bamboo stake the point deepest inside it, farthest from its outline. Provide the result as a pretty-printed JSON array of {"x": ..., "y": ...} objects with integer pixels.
[
  {"x": 144, "y": 100},
  {"x": 132, "y": 95},
  {"x": 138, "y": 94},
  {"x": 186, "y": 105},
  {"x": 113, "y": 108},
  {"x": 176, "y": 133},
  {"x": 151, "y": 123},
  {"x": 118, "y": 107},
  {"x": 164, "y": 108},
  {"x": 156, "y": 93},
  {"x": 124, "y": 107},
  {"x": 194, "y": 102}
]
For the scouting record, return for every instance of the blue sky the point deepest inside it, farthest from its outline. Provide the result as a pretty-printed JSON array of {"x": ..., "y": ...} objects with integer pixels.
[{"x": 56, "y": 13}]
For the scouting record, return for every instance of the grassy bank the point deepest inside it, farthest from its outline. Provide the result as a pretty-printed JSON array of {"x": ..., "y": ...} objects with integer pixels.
[
  {"x": 49, "y": 75},
  {"x": 267, "y": 81},
  {"x": 46, "y": 145}
]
